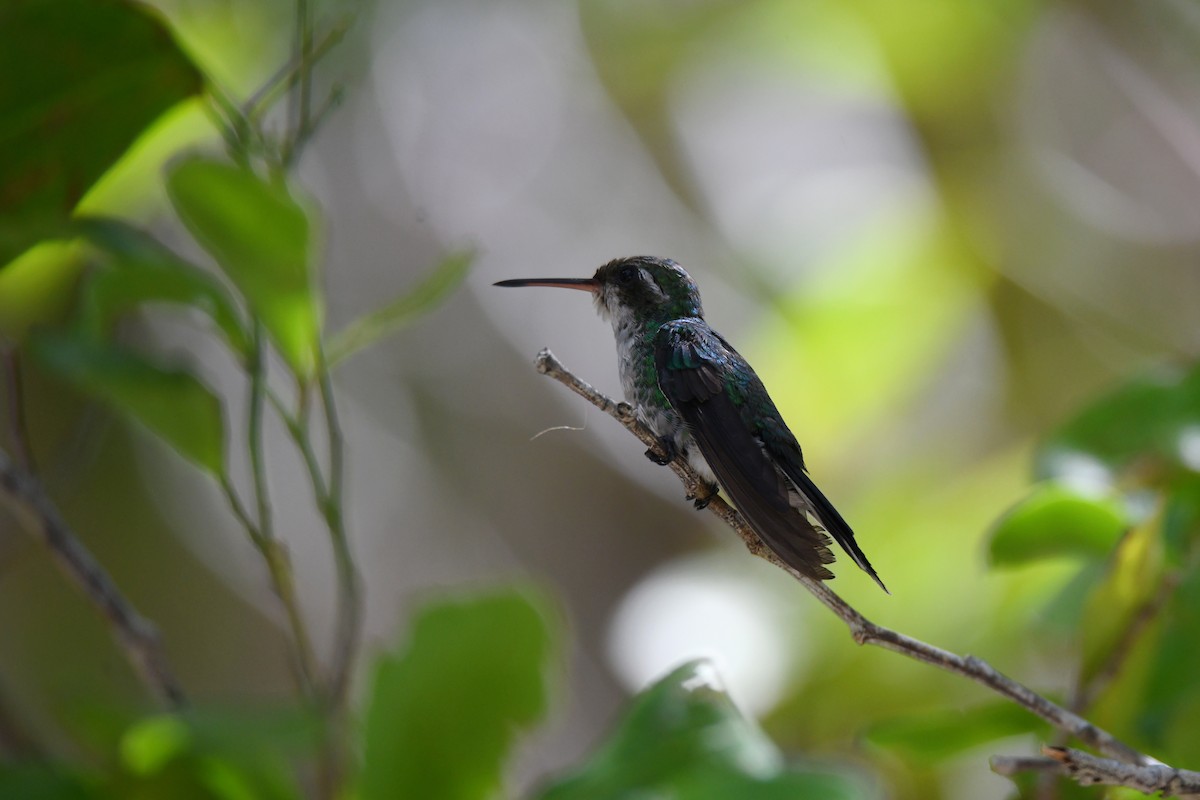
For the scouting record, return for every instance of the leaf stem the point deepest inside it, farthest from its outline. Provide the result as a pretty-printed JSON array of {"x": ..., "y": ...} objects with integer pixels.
[
  {"x": 262, "y": 533},
  {"x": 255, "y": 444},
  {"x": 349, "y": 593},
  {"x": 329, "y": 496}
]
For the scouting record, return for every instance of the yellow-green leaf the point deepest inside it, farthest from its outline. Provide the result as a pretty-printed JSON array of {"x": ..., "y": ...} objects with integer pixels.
[
  {"x": 1055, "y": 520},
  {"x": 171, "y": 402},
  {"x": 261, "y": 237},
  {"x": 443, "y": 712},
  {"x": 139, "y": 271},
  {"x": 369, "y": 329}
]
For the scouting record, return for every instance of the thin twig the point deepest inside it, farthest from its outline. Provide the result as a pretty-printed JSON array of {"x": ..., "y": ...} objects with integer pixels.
[
  {"x": 304, "y": 43},
  {"x": 301, "y": 100},
  {"x": 329, "y": 498},
  {"x": 258, "y": 380},
  {"x": 1089, "y": 770},
  {"x": 349, "y": 595},
  {"x": 263, "y": 534},
  {"x": 289, "y": 74},
  {"x": 134, "y": 633},
  {"x": 863, "y": 630},
  {"x": 279, "y": 569}
]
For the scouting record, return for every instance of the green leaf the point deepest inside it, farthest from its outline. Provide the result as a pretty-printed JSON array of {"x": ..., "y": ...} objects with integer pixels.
[
  {"x": 260, "y": 236},
  {"x": 170, "y": 402},
  {"x": 1063, "y": 612},
  {"x": 82, "y": 80},
  {"x": 148, "y": 746},
  {"x": 932, "y": 736},
  {"x": 1134, "y": 573},
  {"x": 1171, "y": 685},
  {"x": 683, "y": 738},
  {"x": 1181, "y": 518},
  {"x": 38, "y": 287},
  {"x": 1149, "y": 415},
  {"x": 240, "y": 755},
  {"x": 143, "y": 271},
  {"x": 1053, "y": 521},
  {"x": 444, "y": 710},
  {"x": 431, "y": 291}
]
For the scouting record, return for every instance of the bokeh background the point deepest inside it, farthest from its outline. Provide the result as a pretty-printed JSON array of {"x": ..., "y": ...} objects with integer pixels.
[{"x": 935, "y": 228}]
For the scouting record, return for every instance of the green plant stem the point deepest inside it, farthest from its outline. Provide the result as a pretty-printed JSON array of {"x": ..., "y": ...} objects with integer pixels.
[
  {"x": 279, "y": 568},
  {"x": 349, "y": 593},
  {"x": 282, "y": 575},
  {"x": 297, "y": 428},
  {"x": 301, "y": 100},
  {"x": 241, "y": 513},
  {"x": 234, "y": 126},
  {"x": 329, "y": 497},
  {"x": 289, "y": 75},
  {"x": 304, "y": 46},
  {"x": 329, "y": 494},
  {"x": 254, "y": 432}
]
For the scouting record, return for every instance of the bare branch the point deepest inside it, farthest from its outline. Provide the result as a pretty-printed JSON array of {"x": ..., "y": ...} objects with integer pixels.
[
  {"x": 1089, "y": 770},
  {"x": 863, "y": 630},
  {"x": 133, "y": 632},
  {"x": 1011, "y": 766}
]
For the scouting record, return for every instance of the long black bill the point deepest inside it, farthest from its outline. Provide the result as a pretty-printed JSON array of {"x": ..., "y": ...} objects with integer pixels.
[{"x": 586, "y": 284}]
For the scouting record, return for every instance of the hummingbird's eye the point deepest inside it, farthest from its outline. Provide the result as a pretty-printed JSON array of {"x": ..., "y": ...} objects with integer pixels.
[{"x": 626, "y": 275}]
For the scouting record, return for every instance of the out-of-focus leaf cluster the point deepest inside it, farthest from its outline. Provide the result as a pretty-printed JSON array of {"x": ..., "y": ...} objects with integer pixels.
[
  {"x": 1116, "y": 497},
  {"x": 1140, "y": 443}
]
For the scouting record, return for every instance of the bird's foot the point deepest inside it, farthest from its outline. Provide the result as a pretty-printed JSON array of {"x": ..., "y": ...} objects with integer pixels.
[
  {"x": 702, "y": 498},
  {"x": 667, "y": 454}
]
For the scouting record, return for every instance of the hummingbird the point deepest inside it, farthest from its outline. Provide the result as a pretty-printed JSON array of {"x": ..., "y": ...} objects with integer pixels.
[{"x": 706, "y": 405}]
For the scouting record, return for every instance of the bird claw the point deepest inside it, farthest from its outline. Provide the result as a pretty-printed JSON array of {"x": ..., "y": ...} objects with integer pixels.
[
  {"x": 666, "y": 456},
  {"x": 701, "y": 501}
]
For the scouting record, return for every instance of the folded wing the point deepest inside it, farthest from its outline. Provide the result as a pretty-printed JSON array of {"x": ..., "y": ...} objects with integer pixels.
[{"x": 694, "y": 372}]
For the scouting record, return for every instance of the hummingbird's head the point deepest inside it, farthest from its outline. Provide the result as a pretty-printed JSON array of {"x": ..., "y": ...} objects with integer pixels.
[{"x": 640, "y": 287}]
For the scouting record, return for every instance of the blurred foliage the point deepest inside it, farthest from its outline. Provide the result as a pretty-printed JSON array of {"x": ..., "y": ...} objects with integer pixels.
[
  {"x": 684, "y": 738},
  {"x": 133, "y": 269},
  {"x": 933, "y": 737},
  {"x": 260, "y": 236},
  {"x": 430, "y": 292},
  {"x": 444, "y": 711},
  {"x": 59, "y": 133},
  {"x": 1055, "y": 520},
  {"x": 170, "y": 402},
  {"x": 1095, "y": 588}
]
